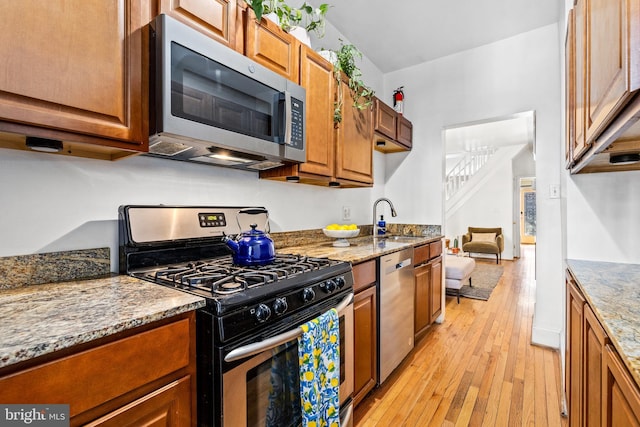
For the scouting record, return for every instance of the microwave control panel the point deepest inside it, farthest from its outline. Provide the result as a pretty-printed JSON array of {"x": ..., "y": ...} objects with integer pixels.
[{"x": 297, "y": 123}]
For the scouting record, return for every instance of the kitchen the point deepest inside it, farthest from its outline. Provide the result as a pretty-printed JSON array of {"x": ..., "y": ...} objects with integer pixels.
[{"x": 78, "y": 198}]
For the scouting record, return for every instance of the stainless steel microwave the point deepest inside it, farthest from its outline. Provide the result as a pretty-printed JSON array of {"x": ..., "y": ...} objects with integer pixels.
[{"x": 210, "y": 104}]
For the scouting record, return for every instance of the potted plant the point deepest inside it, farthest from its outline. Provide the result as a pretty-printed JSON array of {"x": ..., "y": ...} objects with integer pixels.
[
  {"x": 345, "y": 63},
  {"x": 290, "y": 18}
]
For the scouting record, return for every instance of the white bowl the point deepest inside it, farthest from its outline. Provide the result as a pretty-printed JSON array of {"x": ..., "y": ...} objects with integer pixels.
[{"x": 341, "y": 236}]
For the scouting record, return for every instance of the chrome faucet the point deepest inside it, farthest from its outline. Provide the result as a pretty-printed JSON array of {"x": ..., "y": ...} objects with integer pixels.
[{"x": 375, "y": 205}]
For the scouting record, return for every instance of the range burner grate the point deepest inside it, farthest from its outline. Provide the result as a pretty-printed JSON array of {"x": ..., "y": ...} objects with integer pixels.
[{"x": 221, "y": 277}]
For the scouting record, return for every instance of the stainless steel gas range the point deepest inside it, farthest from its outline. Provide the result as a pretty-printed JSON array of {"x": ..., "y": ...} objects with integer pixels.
[{"x": 249, "y": 328}]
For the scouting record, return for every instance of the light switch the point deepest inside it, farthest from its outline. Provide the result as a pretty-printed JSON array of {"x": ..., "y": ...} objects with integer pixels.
[{"x": 554, "y": 191}]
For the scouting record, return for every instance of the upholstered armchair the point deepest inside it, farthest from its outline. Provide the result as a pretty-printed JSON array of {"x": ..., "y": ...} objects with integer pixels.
[{"x": 484, "y": 241}]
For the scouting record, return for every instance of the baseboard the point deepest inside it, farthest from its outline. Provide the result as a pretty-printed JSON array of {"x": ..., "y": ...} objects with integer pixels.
[{"x": 545, "y": 337}]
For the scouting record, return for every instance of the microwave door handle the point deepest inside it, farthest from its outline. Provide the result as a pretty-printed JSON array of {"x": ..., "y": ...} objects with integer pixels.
[
  {"x": 269, "y": 343},
  {"x": 287, "y": 117}
]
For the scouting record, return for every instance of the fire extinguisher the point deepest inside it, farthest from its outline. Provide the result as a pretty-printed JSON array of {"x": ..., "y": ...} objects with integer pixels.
[{"x": 398, "y": 98}]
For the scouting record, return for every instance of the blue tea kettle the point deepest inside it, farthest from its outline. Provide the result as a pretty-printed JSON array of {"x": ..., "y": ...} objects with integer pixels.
[{"x": 253, "y": 247}]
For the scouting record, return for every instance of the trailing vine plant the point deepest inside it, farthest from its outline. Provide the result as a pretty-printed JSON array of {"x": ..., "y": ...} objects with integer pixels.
[{"x": 361, "y": 93}]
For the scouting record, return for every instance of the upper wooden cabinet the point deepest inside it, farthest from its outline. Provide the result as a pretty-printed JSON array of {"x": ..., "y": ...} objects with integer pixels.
[
  {"x": 393, "y": 132},
  {"x": 339, "y": 155},
  {"x": 354, "y": 151},
  {"x": 218, "y": 19},
  {"x": 267, "y": 44},
  {"x": 605, "y": 80},
  {"x": 73, "y": 70}
]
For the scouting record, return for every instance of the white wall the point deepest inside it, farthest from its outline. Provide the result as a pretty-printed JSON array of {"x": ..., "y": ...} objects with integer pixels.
[
  {"x": 52, "y": 203},
  {"x": 518, "y": 74},
  {"x": 602, "y": 217}
]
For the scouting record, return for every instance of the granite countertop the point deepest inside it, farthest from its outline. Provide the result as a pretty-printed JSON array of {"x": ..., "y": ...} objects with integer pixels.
[
  {"x": 361, "y": 248},
  {"x": 614, "y": 295},
  {"x": 38, "y": 320}
]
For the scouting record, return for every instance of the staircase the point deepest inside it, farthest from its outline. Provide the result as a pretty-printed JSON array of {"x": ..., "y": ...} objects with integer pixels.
[{"x": 468, "y": 166}]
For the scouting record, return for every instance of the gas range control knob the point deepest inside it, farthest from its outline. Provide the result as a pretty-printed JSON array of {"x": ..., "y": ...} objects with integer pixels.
[
  {"x": 308, "y": 295},
  {"x": 340, "y": 282},
  {"x": 263, "y": 312},
  {"x": 280, "y": 306},
  {"x": 328, "y": 286}
]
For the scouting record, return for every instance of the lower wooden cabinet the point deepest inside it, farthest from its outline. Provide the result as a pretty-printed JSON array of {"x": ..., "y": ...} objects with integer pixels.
[
  {"x": 428, "y": 286},
  {"x": 140, "y": 377},
  {"x": 621, "y": 398},
  {"x": 365, "y": 329},
  {"x": 600, "y": 390}
]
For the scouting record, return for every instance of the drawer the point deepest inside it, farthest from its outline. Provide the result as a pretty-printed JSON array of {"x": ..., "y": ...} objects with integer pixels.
[
  {"x": 421, "y": 254},
  {"x": 95, "y": 376},
  {"x": 435, "y": 249},
  {"x": 364, "y": 274}
]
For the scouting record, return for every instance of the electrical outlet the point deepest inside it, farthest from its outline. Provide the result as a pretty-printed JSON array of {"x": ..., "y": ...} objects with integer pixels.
[{"x": 346, "y": 213}]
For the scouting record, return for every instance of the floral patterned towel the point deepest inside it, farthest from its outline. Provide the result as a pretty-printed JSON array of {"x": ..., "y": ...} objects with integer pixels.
[{"x": 319, "y": 353}]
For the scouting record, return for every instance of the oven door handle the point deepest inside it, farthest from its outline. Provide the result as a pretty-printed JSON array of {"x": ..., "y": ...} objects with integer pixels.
[{"x": 269, "y": 343}]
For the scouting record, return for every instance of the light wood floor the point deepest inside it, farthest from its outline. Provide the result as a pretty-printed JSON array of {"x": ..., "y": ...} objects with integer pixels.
[{"x": 477, "y": 368}]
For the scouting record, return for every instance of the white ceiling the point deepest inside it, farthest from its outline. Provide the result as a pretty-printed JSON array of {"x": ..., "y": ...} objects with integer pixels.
[
  {"x": 515, "y": 129},
  {"x": 399, "y": 34}
]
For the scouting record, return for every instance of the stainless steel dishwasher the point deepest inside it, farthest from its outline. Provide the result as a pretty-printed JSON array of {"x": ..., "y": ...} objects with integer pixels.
[{"x": 396, "y": 307}]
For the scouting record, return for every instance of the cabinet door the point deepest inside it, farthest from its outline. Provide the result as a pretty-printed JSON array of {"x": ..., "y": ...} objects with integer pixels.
[
  {"x": 168, "y": 406},
  {"x": 422, "y": 317},
  {"x": 594, "y": 342},
  {"x": 621, "y": 404},
  {"x": 267, "y": 44},
  {"x": 570, "y": 58},
  {"x": 575, "y": 312},
  {"x": 215, "y": 18},
  {"x": 354, "y": 142},
  {"x": 404, "y": 133},
  {"x": 316, "y": 76},
  {"x": 435, "y": 288},
  {"x": 75, "y": 66},
  {"x": 384, "y": 119},
  {"x": 579, "y": 142},
  {"x": 611, "y": 74},
  {"x": 365, "y": 330}
]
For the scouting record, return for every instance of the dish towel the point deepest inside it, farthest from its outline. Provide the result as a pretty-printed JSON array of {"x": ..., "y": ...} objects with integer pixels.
[{"x": 319, "y": 353}]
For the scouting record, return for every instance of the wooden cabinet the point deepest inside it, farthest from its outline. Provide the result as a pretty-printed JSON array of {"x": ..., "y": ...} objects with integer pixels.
[
  {"x": 75, "y": 71},
  {"x": 574, "y": 352},
  {"x": 428, "y": 286},
  {"x": 570, "y": 90},
  {"x": 600, "y": 390},
  {"x": 365, "y": 329},
  {"x": 316, "y": 76},
  {"x": 117, "y": 379},
  {"x": 218, "y": 19},
  {"x": 594, "y": 341},
  {"x": 353, "y": 139},
  {"x": 393, "y": 132},
  {"x": 268, "y": 45},
  {"x": 621, "y": 402},
  {"x": 337, "y": 155},
  {"x": 605, "y": 78}
]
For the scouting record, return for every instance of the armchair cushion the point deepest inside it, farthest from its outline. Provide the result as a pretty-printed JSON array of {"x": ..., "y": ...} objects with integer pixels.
[{"x": 483, "y": 237}]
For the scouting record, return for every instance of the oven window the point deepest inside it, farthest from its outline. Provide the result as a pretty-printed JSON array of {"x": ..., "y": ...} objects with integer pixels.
[
  {"x": 205, "y": 91},
  {"x": 273, "y": 390}
]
